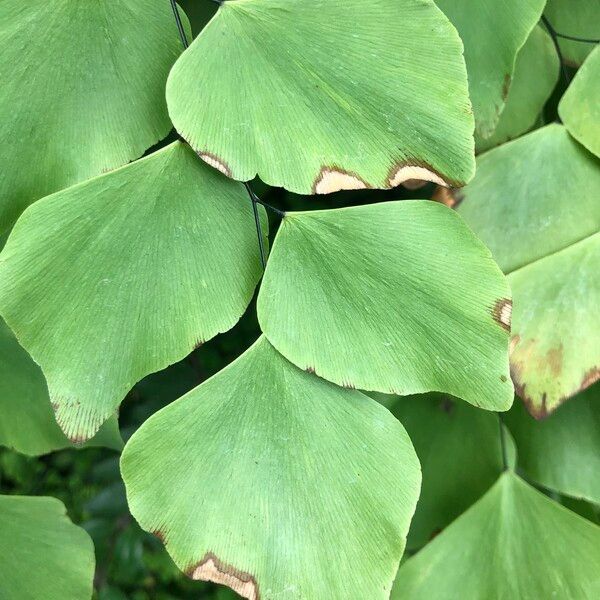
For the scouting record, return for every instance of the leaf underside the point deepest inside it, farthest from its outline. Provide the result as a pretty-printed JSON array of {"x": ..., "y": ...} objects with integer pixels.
[
  {"x": 510, "y": 544},
  {"x": 534, "y": 202},
  {"x": 312, "y": 112},
  {"x": 86, "y": 87},
  {"x": 43, "y": 554},
  {"x": 265, "y": 476},
  {"x": 397, "y": 297},
  {"x": 118, "y": 277}
]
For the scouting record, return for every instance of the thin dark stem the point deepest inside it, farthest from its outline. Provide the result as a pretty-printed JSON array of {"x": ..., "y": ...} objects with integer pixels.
[
  {"x": 180, "y": 28},
  {"x": 279, "y": 213},
  {"x": 554, "y": 36},
  {"x": 261, "y": 244},
  {"x": 503, "y": 442},
  {"x": 577, "y": 39}
]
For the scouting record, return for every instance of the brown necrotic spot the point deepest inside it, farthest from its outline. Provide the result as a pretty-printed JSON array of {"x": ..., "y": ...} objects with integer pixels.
[
  {"x": 502, "y": 313},
  {"x": 159, "y": 534},
  {"x": 450, "y": 197},
  {"x": 506, "y": 86},
  {"x": 310, "y": 370},
  {"x": 333, "y": 179},
  {"x": 210, "y": 568},
  {"x": 216, "y": 162}
]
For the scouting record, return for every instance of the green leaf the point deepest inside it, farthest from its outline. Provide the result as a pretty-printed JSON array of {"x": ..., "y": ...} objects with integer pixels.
[
  {"x": 125, "y": 274},
  {"x": 397, "y": 297},
  {"x": 493, "y": 33},
  {"x": 514, "y": 543},
  {"x": 534, "y": 202},
  {"x": 43, "y": 554},
  {"x": 579, "y": 108},
  {"x": 321, "y": 96},
  {"x": 536, "y": 74},
  {"x": 27, "y": 424},
  {"x": 460, "y": 454},
  {"x": 578, "y": 19},
  {"x": 562, "y": 452},
  {"x": 84, "y": 83},
  {"x": 276, "y": 483}
]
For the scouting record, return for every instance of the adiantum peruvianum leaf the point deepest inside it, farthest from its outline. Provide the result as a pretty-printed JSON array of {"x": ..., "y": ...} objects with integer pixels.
[
  {"x": 396, "y": 297},
  {"x": 82, "y": 91},
  {"x": 578, "y": 19},
  {"x": 27, "y": 423},
  {"x": 562, "y": 452},
  {"x": 43, "y": 554},
  {"x": 513, "y": 543},
  {"x": 460, "y": 454},
  {"x": 534, "y": 202},
  {"x": 536, "y": 74},
  {"x": 276, "y": 483},
  {"x": 327, "y": 95},
  {"x": 493, "y": 33},
  {"x": 579, "y": 108},
  {"x": 125, "y": 274}
]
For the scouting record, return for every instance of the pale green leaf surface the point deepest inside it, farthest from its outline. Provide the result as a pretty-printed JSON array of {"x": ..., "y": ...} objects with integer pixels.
[
  {"x": 82, "y": 91},
  {"x": 536, "y": 74},
  {"x": 460, "y": 454},
  {"x": 125, "y": 274},
  {"x": 493, "y": 33},
  {"x": 397, "y": 297},
  {"x": 534, "y": 202},
  {"x": 562, "y": 452},
  {"x": 579, "y": 108},
  {"x": 276, "y": 483},
  {"x": 556, "y": 326},
  {"x": 27, "y": 422},
  {"x": 533, "y": 196},
  {"x": 513, "y": 543},
  {"x": 43, "y": 554},
  {"x": 326, "y": 95},
  {"x": 578, "y": 18}
]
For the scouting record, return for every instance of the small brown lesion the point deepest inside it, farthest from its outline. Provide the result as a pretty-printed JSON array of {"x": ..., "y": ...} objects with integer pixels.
[
  {"x": 450, "y": 197},
  {"x": 506, "y": 86},
  {"x": 310, "y": 370},
  {"x": 159, "y": 534},
  {"x": 214, "y": 161},
  {"x": 211, "y": 568},
  {"x": 334, "y": 179},
  {"x": 502, "y": 313}
]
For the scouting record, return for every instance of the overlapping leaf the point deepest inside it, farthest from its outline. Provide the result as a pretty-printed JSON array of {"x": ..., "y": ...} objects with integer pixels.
[
  {"x": 27, "y": 423},
  {"x": 579, "y": 19},
  {"x": 276, "y": 483},
  {"x": 514, "y": 543},
  {"x": 327, "y": 95},
  {"x": 82, "y": 91},
  {"x": 398, "y": 297},
  {"x": 536, "y": 74},
  {"x": 580, "y": 106},
  {"x": 562, "y": 452},
  {"x": 460, "y": 454},
  {"x": 534, "y": 202},
  {"x": 123, "y": 275},
  {"x": 43, "y": 554},
  {"x": 493, "y": 33}
]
